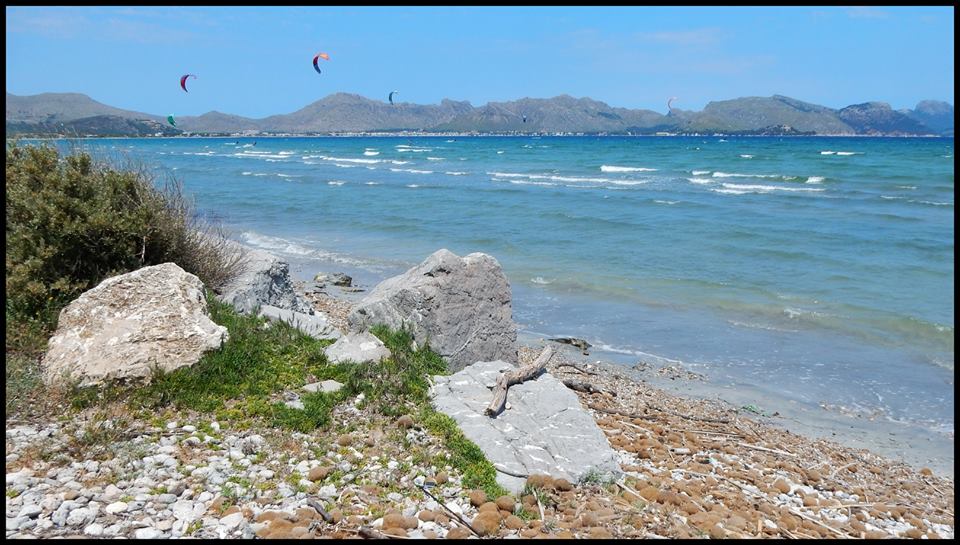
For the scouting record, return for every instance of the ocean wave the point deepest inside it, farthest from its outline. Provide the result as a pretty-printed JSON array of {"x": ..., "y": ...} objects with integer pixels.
[
  {"x": 906, "y": 187},
  {"x": 738, "y": 175},
  {"x": 372, "y": 183},
  {"x": 351, "y": 160},
  {"x": 434, "y": 158},
  {"x": 767, "y": 327},
  {"x": 371, "y": 153},
  {"x": 346, "y": 166},
  {"x": 815, "y": 180},
  {"x": 526, "y": 182},
  {"x": 699, "y": 172},
  {"x": 413, "y": 185},
  {"x": 336, "y": 182},
  {"x": 456, "y": 173},
  {"x": 411, "y": 170},
  {"x": 828, "y": 152},
  {"x": 289, "y": 175},
  {"x": 665, "y": 202},
  {"x": 746, "y": 156},
  {"x": 284, "y": 153},
  {"x": 700, "y": 181},
  {"x": 289, "y": 247},
  {"x": 551, "y": 177},
  {"x": 499, "y": 152},
  {"x": 932, "y": 203},
  {"x": 741, "y": 189},
  {"x": 849, "y": 153},
  {"x": 615, "y": 168},
  {"x": 540, "y": 280}
]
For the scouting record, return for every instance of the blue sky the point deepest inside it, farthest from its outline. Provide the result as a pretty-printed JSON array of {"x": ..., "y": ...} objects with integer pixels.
[{"x": 256, "y": 61}]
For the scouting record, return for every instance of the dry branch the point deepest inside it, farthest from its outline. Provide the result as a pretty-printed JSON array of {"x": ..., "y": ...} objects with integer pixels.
[{"x": 510, "y": 378}]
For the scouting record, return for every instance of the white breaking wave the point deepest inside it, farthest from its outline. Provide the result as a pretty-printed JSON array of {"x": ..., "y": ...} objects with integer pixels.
[
  {"x": 551, "y": 177},
  {"x": 815, "y": 180},
  {"x": 499, "y": 152},
  {"x": 350, "y": 160},
  {"x": 373, "y": 183},
  {"x": 700, "y": 181},
  {"x": 412, "y": 185},
  {"x": 699, "y": 172},
  {"x": 828, "y": 152},
  {"x": 345, "y": 166},
  {"x": 615, "y": 168},
  {"x": 455, "y": 173},
  {"x": 280, "y": 245},
  {"x": 434, "y": 158},
  {"x": 755, "y": 188},
  {"x": 368, "y": 152},
  {"x": 746, "y": 156},
  {"x": 849, "y": 153},
  {"x": 246, "y": 173},
  {"x": 540, "y": 280},
  {"x": 737, "y": 175},
  {"x": 289, "y": 175},
  {"x": 411, "y": 170},
  {"x": 665, "y": 202},
  {"x": 336, "y": 182},
  {"x": 285, "y": 153},
  {"x": 526, "y": 182}
]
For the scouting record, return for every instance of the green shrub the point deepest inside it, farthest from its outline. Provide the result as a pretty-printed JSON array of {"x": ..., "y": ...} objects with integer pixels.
[{"x": 73, "y": 222}]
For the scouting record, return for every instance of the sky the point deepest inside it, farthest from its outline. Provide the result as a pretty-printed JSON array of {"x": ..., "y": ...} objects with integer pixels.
[{"x": 256, "y": 61}]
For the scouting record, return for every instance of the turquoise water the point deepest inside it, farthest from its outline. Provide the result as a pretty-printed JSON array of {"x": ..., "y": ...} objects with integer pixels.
[{"x": 819, "y": 268}]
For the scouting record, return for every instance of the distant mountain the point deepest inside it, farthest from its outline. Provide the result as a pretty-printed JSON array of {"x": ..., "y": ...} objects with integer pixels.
[
  {"x": 878, "y": 118},
  {"x": 345, "y": 112},
  {"x": 61, "y": 107},
  {"x": 757, "y": 113},
  {"x": 934, "y": 114},
  {"x": 98, "y": 125}
]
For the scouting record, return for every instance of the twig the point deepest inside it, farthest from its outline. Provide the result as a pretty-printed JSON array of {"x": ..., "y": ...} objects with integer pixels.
[
  {"x": 765, "y": 449},
  {"x": 832, "y": 475},
  {"x": 586, "y": 387},
  {"x": 817, "y": 522},
  {"x": 708, "y": 432},
  {"x": 539, "y": 506},
  {"x": 508, "y": 472},
  {"x": 319, "y": 509},
  {"x": 465, "y": 523},
  {"x": 578, "y": 368},
  {"x": 630, "y": 490},
  {"x": 370, "y": 533}
]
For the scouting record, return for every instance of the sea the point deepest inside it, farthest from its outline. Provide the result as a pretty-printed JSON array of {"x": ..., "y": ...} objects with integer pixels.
[{"x": 798, "y": 274}]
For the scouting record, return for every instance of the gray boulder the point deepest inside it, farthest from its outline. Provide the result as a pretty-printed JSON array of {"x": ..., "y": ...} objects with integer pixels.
[
  {"x": 316, "y": 325},
  {"x": 358, "y": 348},
  {"x": 155, "y": 316},
  {"x": 460, "y": 306},
  {"x": 545, "y": 430},
  {"x": 265, "y": 280},
  {"x": 337, "y": 279}
]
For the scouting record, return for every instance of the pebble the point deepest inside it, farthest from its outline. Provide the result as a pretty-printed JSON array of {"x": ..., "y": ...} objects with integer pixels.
[{"x": 147, "y": 533}]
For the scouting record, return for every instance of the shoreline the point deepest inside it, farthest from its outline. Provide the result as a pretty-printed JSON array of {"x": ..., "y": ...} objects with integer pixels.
[{"x": 906, "y": 444}]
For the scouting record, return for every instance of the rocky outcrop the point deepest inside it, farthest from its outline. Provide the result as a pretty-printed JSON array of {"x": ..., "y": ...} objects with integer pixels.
[
  {"x": 265, "y": 280},
  {"x": 316, "y": 325},
  {"x": 358, "y": 348},
  {"x": 544, "y": 429},
  {"x": 155, "y": 316},
  {"x": 460, "y": 306}
]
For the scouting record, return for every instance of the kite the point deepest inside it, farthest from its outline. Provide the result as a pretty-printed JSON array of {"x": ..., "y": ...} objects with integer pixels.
[
  {"x": 524, "y": 119},
  {"x": 670, "y": 108},
  {"x": 316, "y": 58},
  {"x": 183, "y": 81},
  {"x": 390, "y": 98},
  {"x": 171, "y": 121}
]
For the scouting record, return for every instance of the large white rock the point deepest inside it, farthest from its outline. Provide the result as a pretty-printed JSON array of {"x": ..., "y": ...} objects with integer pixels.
[
  {"x": 460, "y": 306},
  {"x": 316, "y": 325},
  {"x": 264, "y": 280},
  {"x": 358, "y": 348},
  {"x": 545, "y": 430},
  {"x": 154, "y": 316}
]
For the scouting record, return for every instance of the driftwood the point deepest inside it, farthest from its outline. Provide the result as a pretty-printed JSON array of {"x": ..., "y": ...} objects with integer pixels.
[
  {"x": 510, "y": 378},
  {"x": 579, "y": 343},
  {"x": 578, "y": 368},
  {"x": 458, "y": 517},
  {"x": 580, "y": 386}
]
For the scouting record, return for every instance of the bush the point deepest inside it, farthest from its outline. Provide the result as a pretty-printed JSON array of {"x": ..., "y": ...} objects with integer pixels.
[{"x": 73, "y": 222}]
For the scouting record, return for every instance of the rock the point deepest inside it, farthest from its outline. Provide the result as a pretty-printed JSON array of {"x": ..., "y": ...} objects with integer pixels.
[
  {"x": 579, "y": 343},
  {"x": 461, "y": 306},
  {"x": 154, "y": 316},
  {"x": 317, "y": 325},
  {"x": 30, "y": 511},
  {"x": 80, "y": 517},
  {"x": 94, "y": 530},
  {"x": 337, "y": 279},
  {"x": 232, "y": 520},
  {"x": 478, "y": 498},
  {"x": 116, "y": 507},
  {"x": 327, "y": 386},
  {"x": 147, "y": 533},
  {"x": 458, "y": 533},
  {"x": 357, "y": 348},
  {"x": 265, "y": 280},
  {"x": 548, "y": 431}
]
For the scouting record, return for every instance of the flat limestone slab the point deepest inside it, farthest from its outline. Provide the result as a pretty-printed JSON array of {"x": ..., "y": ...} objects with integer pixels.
[
  {"x": 546, "y": 430},
  {"x": 358, "y": 348},
  {"x": 316, "y": 325}
]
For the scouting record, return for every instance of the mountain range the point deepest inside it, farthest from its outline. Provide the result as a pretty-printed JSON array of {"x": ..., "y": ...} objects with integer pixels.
[{"x": 74, "y": 113}]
